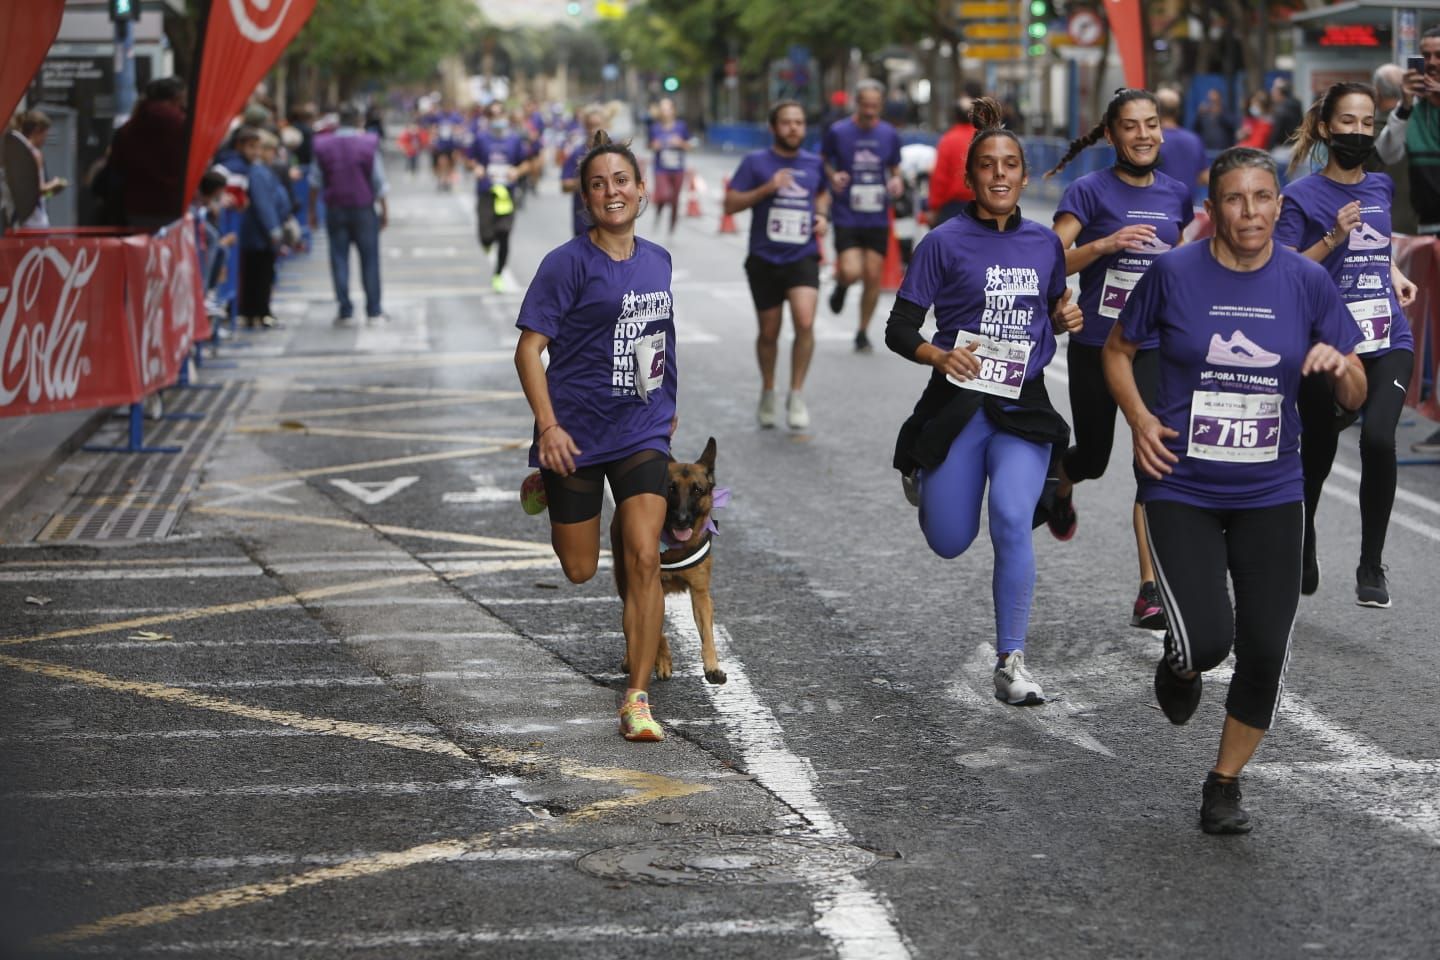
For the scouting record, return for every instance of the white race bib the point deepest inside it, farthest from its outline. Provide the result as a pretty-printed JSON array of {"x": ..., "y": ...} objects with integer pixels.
[
  {"x": 788, "y": 225},
  {"x": 1002, "y": 365},
  {"x": 1235, "y": 427},
  {"x": 867, "y": 197},
  {"x": 1116, "y": 290},
  {"x": 1373, "y": 319},
  {"x": 671, "y": 159},
  {"x": 498, "y": 172},
  {"x": 649, "y": 364}
]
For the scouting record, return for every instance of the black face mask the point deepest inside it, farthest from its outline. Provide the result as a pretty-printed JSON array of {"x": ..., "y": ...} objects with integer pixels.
[
  {"x": 1351, "y": 149},
  {"x": 1134, "y": 169}
]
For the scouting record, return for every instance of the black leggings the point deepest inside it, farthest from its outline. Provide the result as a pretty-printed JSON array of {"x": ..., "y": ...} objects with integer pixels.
[
  {"x": 1092, "y": 409},
  {"x": 1386, "y": 376},
  {"x": 1193, "y": 549},
  {"x": 577, "y": 498},
  {"x": 257, "y": 279}
]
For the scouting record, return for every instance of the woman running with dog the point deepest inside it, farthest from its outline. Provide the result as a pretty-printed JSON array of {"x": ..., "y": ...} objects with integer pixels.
[
  {"x": 1239, "y": 320},
  {"x": 1113, "y": 224},
  {"x": 1340, "y": 218},
  {"x": 601, "y": 305},
  {"x": 997, "y": 282}
]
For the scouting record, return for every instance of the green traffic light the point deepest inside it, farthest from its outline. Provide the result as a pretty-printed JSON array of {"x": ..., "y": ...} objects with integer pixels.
[
  {"x": 672, "y": 84},
  {"x": 573, "y": 9},
  {"x": 1037, "y": 8},
  {"x": 1038, "y": 30},
  {"x": 1037, "y": 49}
]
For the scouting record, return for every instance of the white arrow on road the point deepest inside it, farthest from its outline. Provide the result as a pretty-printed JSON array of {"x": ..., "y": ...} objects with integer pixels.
[
  {"x": 373, "y": 491},
  {"x": 485, "y": 492}
]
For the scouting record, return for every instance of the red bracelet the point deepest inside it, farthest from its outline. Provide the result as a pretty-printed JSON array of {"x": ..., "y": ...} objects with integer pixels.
[{"x": 546, "y": 430}]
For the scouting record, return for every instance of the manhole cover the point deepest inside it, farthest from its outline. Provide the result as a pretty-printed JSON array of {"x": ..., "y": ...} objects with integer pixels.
[{"x": 717, "y": 860}]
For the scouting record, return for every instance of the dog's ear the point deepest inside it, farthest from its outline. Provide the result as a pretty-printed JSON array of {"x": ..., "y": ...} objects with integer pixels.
[{"x": 707, "y": 459}]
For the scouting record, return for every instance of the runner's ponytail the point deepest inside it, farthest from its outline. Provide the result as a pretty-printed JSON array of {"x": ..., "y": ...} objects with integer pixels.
[
  {"x": 1307, "y": 136},
  {"x": 1112, "y": 113},
  {"x": 988, "y": 119}
]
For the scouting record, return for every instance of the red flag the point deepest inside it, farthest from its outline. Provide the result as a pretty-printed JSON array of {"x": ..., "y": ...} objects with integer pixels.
[
  {"x": 1129, "y": 33},
  {"x": 241, "y": 42},
  {"x": 28, "y": 29}
]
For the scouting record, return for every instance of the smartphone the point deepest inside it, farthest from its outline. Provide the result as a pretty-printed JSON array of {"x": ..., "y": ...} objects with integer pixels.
[{"x": 1416, "y": 63}]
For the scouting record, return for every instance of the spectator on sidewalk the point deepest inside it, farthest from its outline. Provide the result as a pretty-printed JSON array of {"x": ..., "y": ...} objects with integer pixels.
[
  {"x": 1182, "y": 154},
  {"x": 147, "y": 157},
  {"x": 1286, "y": 113},
  {"x": 350, "y": 171},
  {"x": 948, "y": 191},
  {"x": 1412, "y": 134},
  {"x": 1257, "y": 126},
  {"x": 261, "y": 232},
  {"x": 1213, "y": 123},
  {"x": 1389, "y": 82},
  {"x": 25, "y": 170}
]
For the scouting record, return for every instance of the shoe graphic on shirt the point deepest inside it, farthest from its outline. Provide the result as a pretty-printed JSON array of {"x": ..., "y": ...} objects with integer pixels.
[
  {"x": 1239, "y": 351},
  {"x": 1366, "y": 237}
]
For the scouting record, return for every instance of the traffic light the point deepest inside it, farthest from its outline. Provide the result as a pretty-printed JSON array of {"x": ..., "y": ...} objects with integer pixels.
[
  {"x": 1042, "y": 12},
  {"x": 671, "y": 84},
  {"x": 124, "y": 10},
  {"x": 573, "y": 9}
]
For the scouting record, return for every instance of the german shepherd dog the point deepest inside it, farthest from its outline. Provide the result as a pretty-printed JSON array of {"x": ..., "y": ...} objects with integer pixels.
[{"x": 686, "y": 556}]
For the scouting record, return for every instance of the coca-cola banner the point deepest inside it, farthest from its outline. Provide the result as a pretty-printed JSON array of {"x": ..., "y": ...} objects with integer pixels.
[
  {"x": 65, "y": 341},
  {"x": 27, "y": 29},
  {"x": 1129, "y": 30},
  {"x": 243, "y": 39}
]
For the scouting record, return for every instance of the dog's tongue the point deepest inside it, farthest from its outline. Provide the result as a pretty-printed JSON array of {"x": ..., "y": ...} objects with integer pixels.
[{"x": 681, "y": 535}]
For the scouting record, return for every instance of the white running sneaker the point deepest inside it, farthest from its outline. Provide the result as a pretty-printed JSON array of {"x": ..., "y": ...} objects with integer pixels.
[
  {"x": 796, "y": 413},
  {"x": 766, "y": 412},
  {"x": 1239, "y": 351},
  {"x": 1014, "y": 685}
]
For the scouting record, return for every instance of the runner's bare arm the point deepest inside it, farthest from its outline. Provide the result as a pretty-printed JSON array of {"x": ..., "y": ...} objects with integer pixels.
[
  {"x": 557, "y": 448},
  {"x": 1147, "y": 432}
]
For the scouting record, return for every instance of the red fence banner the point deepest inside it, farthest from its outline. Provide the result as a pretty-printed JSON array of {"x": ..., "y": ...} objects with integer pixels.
[
  {"x": 28, "y": 30},
  {"x": 64, "y": 340},
  {"x": 241, "y": 42},
  {"x": 1129, "y": 31},
  {"x": 1419, "y": 259}
]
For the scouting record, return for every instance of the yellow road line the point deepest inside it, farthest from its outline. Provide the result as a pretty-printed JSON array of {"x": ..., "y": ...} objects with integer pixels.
[
  {"x": 368, "y": 866},
  {"x": 204, "y": 701},
  {"x": 363, "y": 465},
  {"x": 510, "y": 443},
  {"x": 442, "y": 535},
  {"x": 368, "y": 408}
]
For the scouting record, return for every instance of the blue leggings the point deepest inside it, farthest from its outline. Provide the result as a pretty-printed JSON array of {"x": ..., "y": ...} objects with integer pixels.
[{"x": 950, "y": 514}]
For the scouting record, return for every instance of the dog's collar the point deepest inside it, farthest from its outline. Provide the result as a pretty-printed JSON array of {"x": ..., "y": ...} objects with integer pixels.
[
  {"x": 719, "y": 497},
  {"x": 693, "y": 560}
]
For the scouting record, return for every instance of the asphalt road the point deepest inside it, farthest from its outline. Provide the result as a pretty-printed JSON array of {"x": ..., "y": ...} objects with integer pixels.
[{"x": 350, "y": 707}]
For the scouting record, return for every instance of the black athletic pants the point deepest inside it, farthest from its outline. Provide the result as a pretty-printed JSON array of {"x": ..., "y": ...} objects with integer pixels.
[
  {"x": 1092, "y": 409},
  {"x": 257, "y": 279},
  {"x": 1387, "y": 376},
  {"x": 1193, "y": 549}
]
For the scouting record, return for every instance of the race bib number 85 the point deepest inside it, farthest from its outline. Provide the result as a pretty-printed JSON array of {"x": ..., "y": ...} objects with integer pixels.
[{"x": 1002, "y": 365}]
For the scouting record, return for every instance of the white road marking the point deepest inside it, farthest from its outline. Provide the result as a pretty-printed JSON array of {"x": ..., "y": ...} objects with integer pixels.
[
  {"x": 244, "y": 493},
  {"x": 856, "y": 920},
  {"x": 1401, "y": 494},
  {"x": 486, "y": 491},
  {"x": 1351, "y": 496},
  {"x": 160, "y": 646},
  {"x": 372, "y": 492},
  {"x": 587, "y": 934},
  {"x": 253, "y": 861},
  {"x": 406, "y": 332},
  {"x": 203, "y": 734},
  {"x": 404, "y": 787}
]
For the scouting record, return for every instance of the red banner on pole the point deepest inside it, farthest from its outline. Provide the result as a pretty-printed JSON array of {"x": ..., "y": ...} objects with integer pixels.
[
  {"x": 28, "y": 30},
  {"x": 243, "y": 39},
  {"x": 1129, "y": 31}
]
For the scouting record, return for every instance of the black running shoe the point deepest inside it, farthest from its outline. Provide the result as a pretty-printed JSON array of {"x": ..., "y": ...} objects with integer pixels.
[
  {"x": 862, "y": 343},
  {"x": 1177, "y": 698},
  {"x": 1148, "y": 613},
  {"x": 837, "y": 297},
  {"x": 1309, "y": 566},
  {"x": 1220, "y": 810},
  {"x": 1062, "y": 520},
  {"x": 1371, "y": 589}
]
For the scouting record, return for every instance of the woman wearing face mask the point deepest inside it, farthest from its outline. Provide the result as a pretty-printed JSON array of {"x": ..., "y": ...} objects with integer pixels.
[
  {"x": 1257, "y": 126},
  {"x": 601, "y": 305},
  {"x": 997, "y": 282},
  {"x": 1340, "y": 218},
  {"x": 1113, "y": 224}
]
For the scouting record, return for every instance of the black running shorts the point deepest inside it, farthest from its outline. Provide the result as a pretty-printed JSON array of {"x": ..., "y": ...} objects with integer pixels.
[
  {"x": 867, "y": 238},
  {"x": 577, "y": 498},
  {"x": 771, "y": 282}
]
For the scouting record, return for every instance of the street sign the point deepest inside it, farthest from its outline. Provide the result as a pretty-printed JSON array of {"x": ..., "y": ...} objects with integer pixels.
[
  {"x": 998, "y": 51},
  {"x": 990, "y": 10},
  {"x": 610, "y": 9},
  {"x": 993, "y": 31},
  {"x": 1085, "y": 28}
]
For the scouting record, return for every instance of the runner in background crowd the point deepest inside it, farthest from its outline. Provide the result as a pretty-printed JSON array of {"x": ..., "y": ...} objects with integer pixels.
[
  {"x": 593, "y": 118},
  {"x": 670, "y": 141},
  {"x": 497, "y": 157}
]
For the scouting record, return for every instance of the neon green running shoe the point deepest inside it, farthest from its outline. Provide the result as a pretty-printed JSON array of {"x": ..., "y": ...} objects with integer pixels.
[
  {"x": 635, "y": 720},
  {"x": 497, "y": 283}
]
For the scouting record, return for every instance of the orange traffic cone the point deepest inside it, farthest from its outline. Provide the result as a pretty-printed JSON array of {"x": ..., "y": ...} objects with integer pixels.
[
  {"x": 893, "y": 273},
  {"x": 692, "y": 203},
  {"x": 727, "y": 220}
]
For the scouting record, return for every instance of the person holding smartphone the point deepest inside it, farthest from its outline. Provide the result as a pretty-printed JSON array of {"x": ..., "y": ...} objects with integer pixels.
[{"x": 1413, "y": 132}]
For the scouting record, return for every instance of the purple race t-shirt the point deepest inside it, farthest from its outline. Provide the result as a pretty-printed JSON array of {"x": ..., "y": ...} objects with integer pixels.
[
  {"x": 1182, "y": 156},
  {"x": 1231, "y": 347},
  {"x": 991, "y": 283},
  {"x": 867, "y": 155},
  {"x": 1360, "y": 267},
  {"x": 669, "y": 158},
  {"x": 1103, "y": 203},
  {"x": 498, "y": 157},
  {"x": 781, "y": 225},
  {"x": 600, "y": 314},
  {"x": 570, "y": 171}
]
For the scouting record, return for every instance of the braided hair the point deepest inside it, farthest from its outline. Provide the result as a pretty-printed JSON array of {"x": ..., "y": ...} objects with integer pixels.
[
  {"x": 987, "y": 117},
  {"x": 1307, "y": 135},
  {"x": 1097, "y": 133}
]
